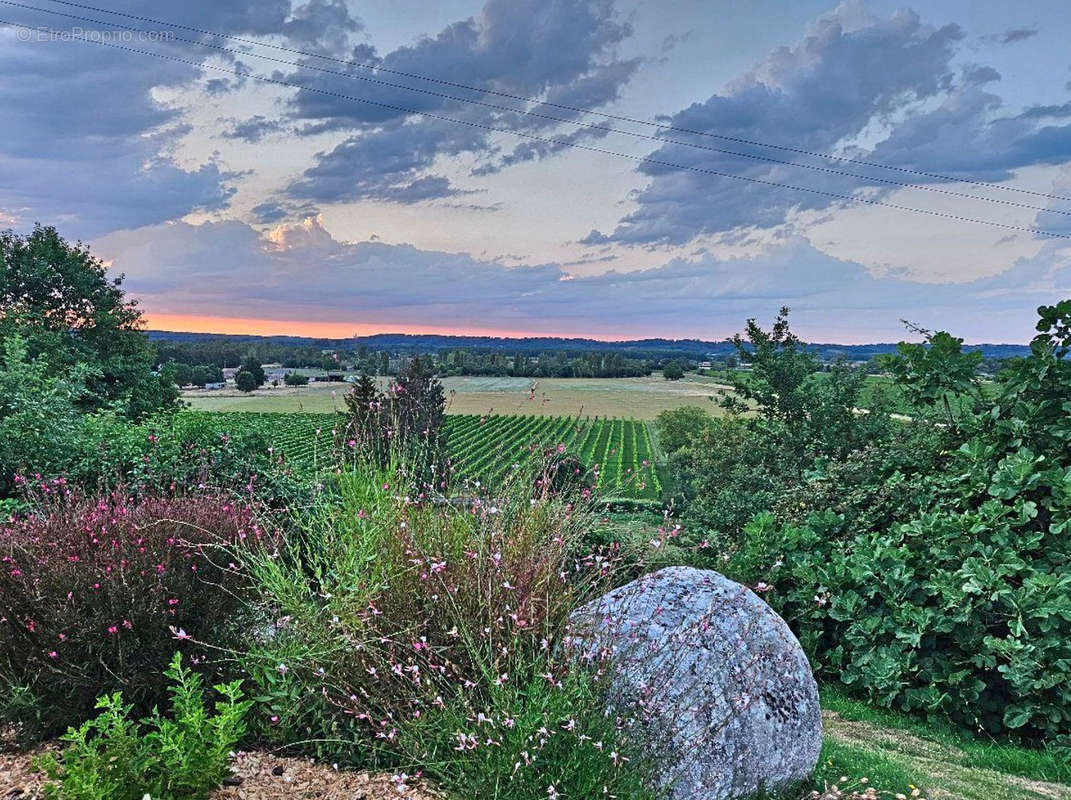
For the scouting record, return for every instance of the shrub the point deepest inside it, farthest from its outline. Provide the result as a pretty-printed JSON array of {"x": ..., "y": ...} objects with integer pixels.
[
  {"x": 939, "y": 583},
  {"x": 431, "y": 632},
  {"x": 94, "y": 592},
  {"x": 185, "y": 755},
  {"x": 295, "y": 379}
]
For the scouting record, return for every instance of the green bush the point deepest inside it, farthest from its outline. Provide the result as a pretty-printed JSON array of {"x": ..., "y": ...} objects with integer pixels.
[
  {"x": 936, "y": 579},
  {"x": 183, "y": 756}
]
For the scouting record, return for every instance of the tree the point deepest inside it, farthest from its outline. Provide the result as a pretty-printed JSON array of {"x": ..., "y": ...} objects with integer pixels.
[
  {"x": 673, "y": 371},
  {"x": 933, "y": 373},
  {"x": 252, "y": 366},
  {"x": 404, "y": 427},
  {"x": 295, "y": 379},
  {"x": 58, "y": 297},
  {"x": 200, "y": 375},
  {"x": 679, "y": 427},
  {"x": 245, "y": 381},
  {"x": 181, "y": 373}
]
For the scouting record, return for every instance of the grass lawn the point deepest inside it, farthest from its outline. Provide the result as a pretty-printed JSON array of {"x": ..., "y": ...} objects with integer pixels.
[
  {"x": 638, "y": 398},
  {"x": 898, "y": 754}
]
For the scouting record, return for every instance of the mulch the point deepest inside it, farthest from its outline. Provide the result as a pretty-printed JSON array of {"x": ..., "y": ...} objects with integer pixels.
[{"x": 255, "y": 776}]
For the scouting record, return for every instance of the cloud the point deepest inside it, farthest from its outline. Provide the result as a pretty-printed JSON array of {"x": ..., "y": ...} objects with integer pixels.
[
  {"x": 815, "y": 96},
  {"x": 253, "y": 129},
  {"x": 89, "y": 144},
  {"x": 228, "y": 269},
  {"x": 560, "y": 51},
  {"x": 881, "y": 90},
  {"x": 1013, "y": 35}
]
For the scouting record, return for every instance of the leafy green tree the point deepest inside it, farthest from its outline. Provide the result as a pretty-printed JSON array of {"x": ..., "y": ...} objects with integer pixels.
[
  {"x": 58, "y": 297},
  {"x": 295, "y": 379},
  {"x": 40, "y": 420},
  {"x": 200, "y": 375},
  {"x": 245, "y": 381},
  {"x": 679, "y": 427},
  {"x": 253, "y": 367},
  {"x": 937, "y": 374},
  {"x": 181, "y": 373},
  {"x": 673, "y": 371}
]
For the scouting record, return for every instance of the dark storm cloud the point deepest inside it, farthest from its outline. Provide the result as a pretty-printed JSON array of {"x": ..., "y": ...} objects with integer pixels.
[
  {"x": 834, "y": 85},
  {"x": 561, "y": 51}
]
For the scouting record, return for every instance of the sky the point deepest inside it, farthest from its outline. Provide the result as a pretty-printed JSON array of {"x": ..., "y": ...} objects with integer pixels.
[{"x": 606, "y": 168}]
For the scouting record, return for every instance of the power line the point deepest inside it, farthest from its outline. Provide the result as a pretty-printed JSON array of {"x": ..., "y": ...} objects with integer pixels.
[
  {"x": 564, "y": 106},
  {"x": 549, "y": 140},
  {"x": 583, "y": 125}
]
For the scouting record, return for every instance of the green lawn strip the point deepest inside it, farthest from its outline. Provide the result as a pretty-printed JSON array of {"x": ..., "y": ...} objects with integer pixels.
[{"x": 894, "y": 751}]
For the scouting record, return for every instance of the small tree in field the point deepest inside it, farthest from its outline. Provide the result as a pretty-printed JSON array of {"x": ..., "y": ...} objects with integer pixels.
[
  {"x": 673, "y": 371},
  {"x": 245, "y": 381},
  {"x": 253, "y": 367}
]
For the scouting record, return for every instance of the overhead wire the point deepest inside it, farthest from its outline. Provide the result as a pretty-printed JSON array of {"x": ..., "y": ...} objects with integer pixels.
[
  {"x": 535, "y": 137},
  {"x": 378, "y": 67}
]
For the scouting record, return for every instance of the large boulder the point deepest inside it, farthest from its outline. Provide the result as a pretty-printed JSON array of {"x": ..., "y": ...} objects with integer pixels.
[{"x": 717, "y": 688}]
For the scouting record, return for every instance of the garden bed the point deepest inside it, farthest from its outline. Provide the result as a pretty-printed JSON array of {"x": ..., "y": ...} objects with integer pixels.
[{"x": 259, "y": 776}]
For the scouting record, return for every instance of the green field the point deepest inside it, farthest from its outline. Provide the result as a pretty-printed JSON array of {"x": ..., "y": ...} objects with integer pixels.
[{"x": 484, "y": 448}]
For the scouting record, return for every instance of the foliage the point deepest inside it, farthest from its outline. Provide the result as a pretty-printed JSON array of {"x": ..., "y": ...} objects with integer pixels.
[
  {"x": 407, "y": 423},
  {"x": 251, "y": 365},
  {"x": 673, "y": 371},
  {"x": 679, "y": 427},
  {"x": 940, "y": 584},
  {"x": 185, "y": 755},
  {"x": 432, "y": 632},
  {"x": 94, "y": 592},
  {"x": 936, "y": 373},
  {"x": 295, "y": 379},
  {"x": 787, "y": 419},
  {"x": 58, "y": 297},
  {"x": 39, "y": 415},
  {"x": 245, "y": 381}
]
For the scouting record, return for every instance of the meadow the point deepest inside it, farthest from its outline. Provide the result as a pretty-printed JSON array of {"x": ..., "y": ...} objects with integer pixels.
[{"x": 636, "y": 398}]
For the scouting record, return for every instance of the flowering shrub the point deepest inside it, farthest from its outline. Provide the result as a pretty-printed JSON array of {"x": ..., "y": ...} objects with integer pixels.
[
  {"x": 430, "y": 632},
  {"x": 94, "y": 592}
]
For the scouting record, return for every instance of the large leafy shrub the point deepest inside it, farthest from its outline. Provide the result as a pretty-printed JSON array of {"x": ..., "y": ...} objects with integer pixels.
[
  {"x": 941, "y": 582},
  {"x": 95, "y": 591},
  {"x": 184, "y": 755}
]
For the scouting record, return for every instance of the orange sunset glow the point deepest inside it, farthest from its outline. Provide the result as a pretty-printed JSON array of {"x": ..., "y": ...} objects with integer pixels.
[{"x": 193, "y": 323}]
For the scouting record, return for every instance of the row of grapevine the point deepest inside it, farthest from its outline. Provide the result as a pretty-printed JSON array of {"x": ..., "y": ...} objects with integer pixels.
[{"x": 483, "y": 448}]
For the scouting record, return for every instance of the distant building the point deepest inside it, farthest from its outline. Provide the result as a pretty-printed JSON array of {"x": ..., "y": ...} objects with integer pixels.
[{"x": 216, "y": 385}]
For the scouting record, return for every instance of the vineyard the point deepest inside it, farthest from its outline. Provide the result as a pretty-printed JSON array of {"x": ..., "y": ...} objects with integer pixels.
[{"x": 485, "y": 448}]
